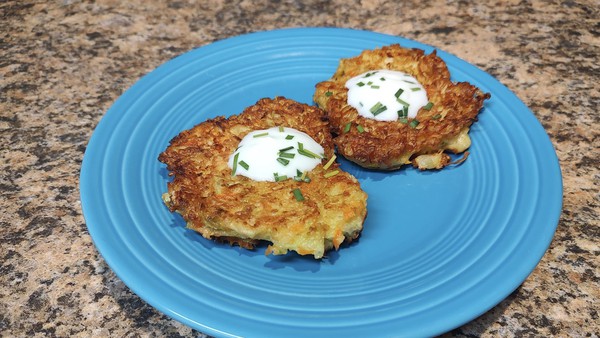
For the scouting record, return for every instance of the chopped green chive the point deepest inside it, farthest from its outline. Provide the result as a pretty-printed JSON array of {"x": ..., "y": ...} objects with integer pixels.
[
  {"x": 407, "y": 81},
  {"x": 375, "y": 87},
  {"x": 402, "y": 102},
  {"x": 413, "y": 123},
  {"x": 415, "y": 89},
  {"x": 329, "y": 163},
  {"x": 280, "y": 129},
  {"x": 331, "y": 173},
  {"x": 244, "y": 165},
  {"x": 436, "y": 117},
  {"x": 300, "y": 179},
  {"x": 298, "y": 195},
  {"x": 235, "y": 163},
  {"x": 279, "y": 178},
  {"x": 307, "y": 153},
  {"x": 360, "y": 84},
  {"x": 287, "y": 155},
  {"x": 286, "y": 149},
  {"x": 398, "y": 93},
  {"x": 361, "y": 104},
  {"x": 289, "y": 137},
  {"x": 260, "y": 135},
  {"x": 370, "y": 74},
  {"x": 403, "y": 113},
  {"x": 428, "y": 106},
  {"x": 347, "y": 127},
  {"x": 304, "y": 177},
  {"x": 360, "y": 129},
  {"x": 382, "y": 78},
  {"x": 370, "y": 83},
  {"x": 377, "y": 109},
  {"x": 328, "y": 93},
  {"x": 283, "y": 161}
]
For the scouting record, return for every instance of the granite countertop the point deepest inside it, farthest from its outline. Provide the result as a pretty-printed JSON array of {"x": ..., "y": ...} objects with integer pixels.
[{"x": 63, "y": 63}]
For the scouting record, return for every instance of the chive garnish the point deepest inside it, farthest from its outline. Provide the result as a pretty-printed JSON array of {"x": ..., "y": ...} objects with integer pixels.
[
  {"x": 407, "y": 81},
  {"x": 416, "y": 89},
  {"x": 347, "y": 127},
  {"x": 360, "y": 129},
  {"x": 402, "y": 113},
  {"x": 287, "y": 155},
  {"x": 361, "y": 104},
  {"x": 235, "y": 163},
  {"x": 286, "y": 149},
  {"x": 382, "y": 78},
  {"x": 360, "y": 84},
  {"x": 298, "y": 195},
  {"x": 329, "y": 163},
  {"x": 244, "y": 165},
  {"x": 260, "y": 135},
  {"x": 402, "y": 102},
  {"x": 369, "y": 74},
  {"x": 414, "y": 123},
  {"x": 399, "y": 92},
  {"x": 307, "y": 153},
  {"x": 428, "y": 106},
  {"x": 304, "y": 177},
  {"x": 328, "y": 93},
  {"x": 283, "y": 161},
  {"x": 331, "y": 173},
  {"x": 279, "y": 178},
  {"x": 289, "y": 137},
  {"x": 375, "y": 87},
  {"x": 280, "y": 129},
  {"x": 370, "y": 83},
  {"x": 298, "y": 172},
  {"x": 377, "y": 109},
  {"x": 436, "y": 117}
]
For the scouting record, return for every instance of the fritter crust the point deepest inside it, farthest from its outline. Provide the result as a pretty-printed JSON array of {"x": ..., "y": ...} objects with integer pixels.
[
  {"x": 242, "y": 211},
  {"x": 390, "y": 145}
]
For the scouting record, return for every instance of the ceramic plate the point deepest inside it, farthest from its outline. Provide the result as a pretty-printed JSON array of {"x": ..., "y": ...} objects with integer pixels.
[{"x": 438, "y": 249}]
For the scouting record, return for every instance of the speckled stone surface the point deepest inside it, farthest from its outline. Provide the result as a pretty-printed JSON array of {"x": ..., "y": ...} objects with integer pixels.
[{"x": 63, "y": 63}]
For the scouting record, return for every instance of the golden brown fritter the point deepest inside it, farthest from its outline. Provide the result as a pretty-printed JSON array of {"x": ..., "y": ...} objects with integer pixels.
[
  {"x": 390, "y": 145},
  {"x": 239, "y": 210}
]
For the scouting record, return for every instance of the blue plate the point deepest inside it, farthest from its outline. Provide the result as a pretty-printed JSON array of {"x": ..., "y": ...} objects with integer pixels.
[{"x": 438, "y": 248}]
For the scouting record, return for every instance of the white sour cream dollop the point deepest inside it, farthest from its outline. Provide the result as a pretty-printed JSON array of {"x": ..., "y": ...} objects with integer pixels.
[
  {"x": 386, "y": 95},
  {"x": 275, "y": 154}
]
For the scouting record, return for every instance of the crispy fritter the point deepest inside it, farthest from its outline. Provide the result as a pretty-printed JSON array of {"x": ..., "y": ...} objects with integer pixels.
[
  {"x": 390, "y": 145},
  {"x": 242, "y": 211}
]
